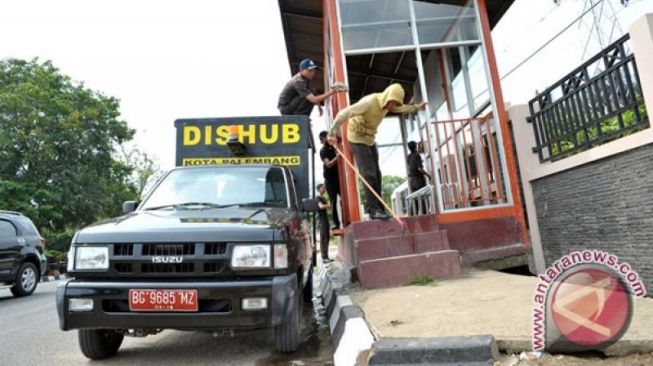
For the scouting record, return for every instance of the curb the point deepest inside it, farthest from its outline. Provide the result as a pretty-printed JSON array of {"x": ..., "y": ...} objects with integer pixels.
[
  {"x": 355, "y": 344},
  {"x": 472, "y": 350},
  {"x": 53, "y": 278},
  {"x": 352, "y": 340}
]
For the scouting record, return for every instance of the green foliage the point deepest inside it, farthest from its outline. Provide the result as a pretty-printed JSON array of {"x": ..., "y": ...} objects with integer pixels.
[
  {"x": 388, "y": 184},
  {"x": 423, "y": 281},
  {"x": 58, "y": 144},
  {"x": 609, "y": 128}
]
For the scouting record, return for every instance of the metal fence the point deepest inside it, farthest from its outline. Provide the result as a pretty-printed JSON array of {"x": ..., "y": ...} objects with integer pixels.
[
  {"x": 468, "y": 163},
  {"x": 581, "y": 111}
]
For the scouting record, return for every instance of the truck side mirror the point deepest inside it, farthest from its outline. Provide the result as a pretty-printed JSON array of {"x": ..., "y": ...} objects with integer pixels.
[
  {"x": 310, "y": 204},
  {"x": 129, "y": 206}
]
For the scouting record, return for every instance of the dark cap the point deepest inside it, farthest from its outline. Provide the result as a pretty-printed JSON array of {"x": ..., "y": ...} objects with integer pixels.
[{"x": 307, "y": 64}]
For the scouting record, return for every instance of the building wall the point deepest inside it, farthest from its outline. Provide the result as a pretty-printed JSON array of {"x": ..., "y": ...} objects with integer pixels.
[{"x": 605, "y": 205}]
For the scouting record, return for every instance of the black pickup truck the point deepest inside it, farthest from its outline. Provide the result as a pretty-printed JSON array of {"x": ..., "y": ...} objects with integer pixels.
[{"x": 220, "y": 248}]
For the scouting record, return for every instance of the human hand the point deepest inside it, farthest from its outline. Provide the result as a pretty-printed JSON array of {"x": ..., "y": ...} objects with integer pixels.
[{"x": 421, "y": 106}]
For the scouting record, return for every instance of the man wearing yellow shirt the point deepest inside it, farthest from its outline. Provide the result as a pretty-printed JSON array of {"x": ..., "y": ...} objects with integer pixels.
[{"x": 364, "y": 117}]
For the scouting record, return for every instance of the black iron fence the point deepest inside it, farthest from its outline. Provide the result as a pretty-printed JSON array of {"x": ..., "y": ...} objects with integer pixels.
[{"x": 581, "y": 111}]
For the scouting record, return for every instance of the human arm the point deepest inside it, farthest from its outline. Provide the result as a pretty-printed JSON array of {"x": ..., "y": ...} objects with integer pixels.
[
  {"x": 356, "y": 109},
  {"x": 410, "y": 108}
]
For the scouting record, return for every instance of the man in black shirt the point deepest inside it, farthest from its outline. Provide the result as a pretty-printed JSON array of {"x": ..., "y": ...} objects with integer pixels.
[
  {"x": 323, "y": 220},
  {"x": 297, "y": 98},
  {"x": 329, "y": 157},
  {"x": 416, "y": 170}
]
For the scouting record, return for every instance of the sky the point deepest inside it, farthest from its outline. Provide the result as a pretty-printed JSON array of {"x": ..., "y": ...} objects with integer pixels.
[{"x": 171, "y": 59}]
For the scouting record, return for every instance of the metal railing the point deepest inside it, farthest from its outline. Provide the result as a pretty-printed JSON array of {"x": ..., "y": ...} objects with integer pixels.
[
  {"x": 581, "y": 111},
  {"x": 468, "y": 163},
  {"x": 419, "y": 202}
]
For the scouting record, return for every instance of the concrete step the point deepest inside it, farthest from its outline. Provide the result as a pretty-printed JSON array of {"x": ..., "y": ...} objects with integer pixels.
[
  {"x": 402, "y": 270},
  {"x": 392, "y": 246},
  {"x": 383, "y": 228}
]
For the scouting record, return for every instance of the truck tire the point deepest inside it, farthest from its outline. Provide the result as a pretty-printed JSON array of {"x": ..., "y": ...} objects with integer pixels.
[
  {"x": 97, "y": 344},
  {"x": 308, "y": 290},
  {"x": 26, "y": 280},
  {"x": 286, "y": 334}
]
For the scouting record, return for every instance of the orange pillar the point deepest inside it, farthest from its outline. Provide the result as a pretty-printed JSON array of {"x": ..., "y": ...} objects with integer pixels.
[
  {"x": 348, "y": 185},
  {"x": 511, "y": 162}
]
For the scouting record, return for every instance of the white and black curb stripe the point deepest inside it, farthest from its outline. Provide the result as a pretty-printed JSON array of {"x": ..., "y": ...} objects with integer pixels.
[
  {"x": 53, "y": 278},
  {"x": 351, "y": 338}
]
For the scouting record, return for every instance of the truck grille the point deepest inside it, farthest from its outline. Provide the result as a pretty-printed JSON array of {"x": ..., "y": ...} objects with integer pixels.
[
  {"x": 123, "y": 249},
  {"x": 168, "y": 267},
  {"x": 215, "y": 248},
  {"x": 169, "y": 249},
  {"x": 135, "y": 260}
]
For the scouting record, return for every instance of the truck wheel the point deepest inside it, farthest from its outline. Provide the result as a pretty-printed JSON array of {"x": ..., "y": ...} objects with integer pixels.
[
  {"x": 26, "y": 280},
  {"x": 308, "y": 290},
  {"x": 97, "y": 344},
  {"x": 286, "y": 334}
]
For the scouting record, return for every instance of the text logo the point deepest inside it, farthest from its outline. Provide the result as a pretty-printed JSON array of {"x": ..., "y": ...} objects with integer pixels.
[
  {"x": 584, "y": 302},
  {"x": 167, "y": 259}
]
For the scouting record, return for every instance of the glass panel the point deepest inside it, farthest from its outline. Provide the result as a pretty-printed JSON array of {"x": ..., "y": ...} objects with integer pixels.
[
  {"x": 438, "y": 23},
  {"x": 7, "y": 230},
  {"x": 478, "y": 78},
  {"x": 375, "y": 23}
]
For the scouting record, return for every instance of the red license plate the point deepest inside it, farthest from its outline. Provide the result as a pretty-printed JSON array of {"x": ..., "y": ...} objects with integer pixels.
[{"x": 162, "y": 300}]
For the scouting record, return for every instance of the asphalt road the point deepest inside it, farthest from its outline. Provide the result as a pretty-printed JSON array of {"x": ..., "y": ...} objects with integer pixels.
[{"x": 30, "y": 335}]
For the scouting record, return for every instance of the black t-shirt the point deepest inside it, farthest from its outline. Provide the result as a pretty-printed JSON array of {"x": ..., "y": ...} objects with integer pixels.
[
  {"x": 414, "y": 164},
  {"x": 328, "y": 152},
  {"x": 298, "y": 85},
  {"x": 323, "y": 211}
]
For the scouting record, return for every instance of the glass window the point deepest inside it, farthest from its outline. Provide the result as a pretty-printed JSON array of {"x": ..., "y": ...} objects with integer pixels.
[
  {"x": 256, "y": 186},
  {"x": 437, "y": 23},
  {"x": 375, "y": 23},
  {"x": 7, "y": 230}
]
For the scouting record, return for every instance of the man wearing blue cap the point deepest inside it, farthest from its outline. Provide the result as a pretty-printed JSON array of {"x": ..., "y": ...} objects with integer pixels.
[{"x": 297, "y": 98}]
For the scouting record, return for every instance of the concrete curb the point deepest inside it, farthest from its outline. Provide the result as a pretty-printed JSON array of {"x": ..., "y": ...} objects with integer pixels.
[
  {"x": 53, "y": 278},
  {"x": 352, "y": 340},
  {"x": 472, "y": 350}
]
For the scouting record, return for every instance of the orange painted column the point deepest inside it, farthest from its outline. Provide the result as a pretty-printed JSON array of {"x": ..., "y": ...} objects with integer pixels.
[
  {"x": 501, "y": 114},
  {"x": 348, "y": 185}
]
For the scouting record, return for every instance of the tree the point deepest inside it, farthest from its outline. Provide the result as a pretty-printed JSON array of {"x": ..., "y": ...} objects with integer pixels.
[
  {"x": 388, "y": 184},
  {"x": 58, "y": 142},
  {"x": 145, "y": 170}
]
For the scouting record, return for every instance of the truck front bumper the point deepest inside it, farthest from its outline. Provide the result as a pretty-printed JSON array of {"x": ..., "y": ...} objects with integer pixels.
[{"x": 219, "y": 304}]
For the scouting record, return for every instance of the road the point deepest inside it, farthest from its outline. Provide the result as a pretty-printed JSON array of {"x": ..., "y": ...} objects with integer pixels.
[{"x": 30, "y": 335}]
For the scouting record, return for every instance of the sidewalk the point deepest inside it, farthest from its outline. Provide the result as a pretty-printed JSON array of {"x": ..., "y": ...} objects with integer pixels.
[{"x": 479, "y": 302}]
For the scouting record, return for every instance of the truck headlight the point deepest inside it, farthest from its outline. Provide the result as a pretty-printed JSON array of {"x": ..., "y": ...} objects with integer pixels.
[
  {"x": 91, "y": 258},
  {"x": 250, "y": 256},
  {"x": 280, "y": 256}
]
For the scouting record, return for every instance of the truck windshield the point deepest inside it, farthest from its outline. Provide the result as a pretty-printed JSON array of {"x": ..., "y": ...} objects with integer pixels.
[{"x": 218, "y": 186}]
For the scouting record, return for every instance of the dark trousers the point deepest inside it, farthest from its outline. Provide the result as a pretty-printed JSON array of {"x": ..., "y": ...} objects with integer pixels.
[
  {"x": 298, "y": 106},
  {"x": 333, "y": 188},
  {"x": 367, "y": 161},
  {"x": 416, "y": 182},
  {"x": 324, "y": 236}
]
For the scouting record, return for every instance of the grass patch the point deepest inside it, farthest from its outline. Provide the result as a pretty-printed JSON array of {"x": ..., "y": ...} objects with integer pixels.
[{"x": 423, "y": 281}]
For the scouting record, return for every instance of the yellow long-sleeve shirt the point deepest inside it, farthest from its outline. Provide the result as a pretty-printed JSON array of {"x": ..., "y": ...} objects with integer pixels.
[{"x": 366, "y": 115}]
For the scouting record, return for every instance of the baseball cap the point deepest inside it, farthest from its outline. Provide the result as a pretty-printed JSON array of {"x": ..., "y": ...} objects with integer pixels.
[{"x": 307, "y": 64}]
